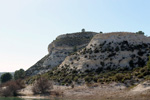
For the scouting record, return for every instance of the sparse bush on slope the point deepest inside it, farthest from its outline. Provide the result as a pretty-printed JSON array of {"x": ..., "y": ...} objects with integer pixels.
[{"x": 42, "y": 85}]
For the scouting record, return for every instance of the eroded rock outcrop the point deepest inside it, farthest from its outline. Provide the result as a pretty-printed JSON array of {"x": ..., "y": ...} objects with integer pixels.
[
  {"x": 110, "y": 51},
  {"x": 59, "y": 49}
]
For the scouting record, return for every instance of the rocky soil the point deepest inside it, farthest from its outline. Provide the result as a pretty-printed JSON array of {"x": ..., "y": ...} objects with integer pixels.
[{"x": 112, "y": 91}]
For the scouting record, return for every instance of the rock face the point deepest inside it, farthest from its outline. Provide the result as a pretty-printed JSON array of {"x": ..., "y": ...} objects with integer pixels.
[
  {"x": 59, "y": 49},
  {"x": 110, "y": 51}
]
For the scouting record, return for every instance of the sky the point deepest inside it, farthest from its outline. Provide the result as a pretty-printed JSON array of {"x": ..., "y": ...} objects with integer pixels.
[{"x": 28, "y": 26}]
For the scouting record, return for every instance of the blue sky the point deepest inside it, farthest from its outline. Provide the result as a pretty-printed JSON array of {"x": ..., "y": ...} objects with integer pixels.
[{"x": 28, "y": 26}]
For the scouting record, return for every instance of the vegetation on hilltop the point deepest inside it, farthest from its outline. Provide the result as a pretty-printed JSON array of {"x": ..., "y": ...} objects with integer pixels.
[{"x": 140, "y": 32}]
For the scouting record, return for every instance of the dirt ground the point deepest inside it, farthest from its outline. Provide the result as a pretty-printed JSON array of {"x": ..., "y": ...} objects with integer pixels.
[{"x": 113, "y": 91}]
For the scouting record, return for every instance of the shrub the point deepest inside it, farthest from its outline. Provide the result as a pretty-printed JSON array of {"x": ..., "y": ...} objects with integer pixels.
[
  {"x": 119, "y": 76},
  {"x": 19, "y": 74},
  {"x": 42, "y": 85},
  {"x": 98, "y": 70},
  {"x": 101, "y": 32},
  {"x": 131, "y": 63},
  {"x": 6, "y": 77},
  {"x": 147, "y": 77},
  {"x": 117, "y": 49},
  {"x": 10, "y": 88},
  {"x": 83, "y": 30},
  {"x": 140, "y": 32},
  {"x": 88, "y": 79},
  {"x": 96, "y": 50},
  {"x": 142, "y": 70},
  {"x": 76, "y": 78},
  {"x": 99, "y": 80},
  {"x": 140, "y": 75}
]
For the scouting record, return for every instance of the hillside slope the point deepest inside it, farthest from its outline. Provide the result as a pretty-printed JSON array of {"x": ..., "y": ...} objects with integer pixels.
[
  {"x": 110, "y": 51},
  {"x": 59, "y": 49}
]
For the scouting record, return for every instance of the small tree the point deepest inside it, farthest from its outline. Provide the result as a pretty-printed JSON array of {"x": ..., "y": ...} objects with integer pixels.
[
  {"x": 42, "y": 85},
  {"x": 101, "y": 32},
  {"x": 83, "y": 30},
  {"x": 19, "y": 74},
  {"x": 140, "y": 32},
  {"x": 6, "y": 77}
]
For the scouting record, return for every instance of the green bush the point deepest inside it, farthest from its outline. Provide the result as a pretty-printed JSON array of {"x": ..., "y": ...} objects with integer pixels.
[
  {"x": 19, "y": 74},
  {"x": 101, "y": 32},
  {"x": 75, "y": 78},
  {"x": 88, "y": 79},
  {"x": 140, "y": 32},
  {"x": 119, "y": 76},
  {"x": 6, "y": 77},
  {"x": 83, "y": 30},
  {"x": 141, "y": 75}
]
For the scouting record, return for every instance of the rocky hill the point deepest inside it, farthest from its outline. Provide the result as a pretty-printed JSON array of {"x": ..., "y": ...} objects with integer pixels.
[
  {"x": 108, "y": 57},
  {"x": 110, "y": 51},
  {"x": 59, "y": 49}
]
